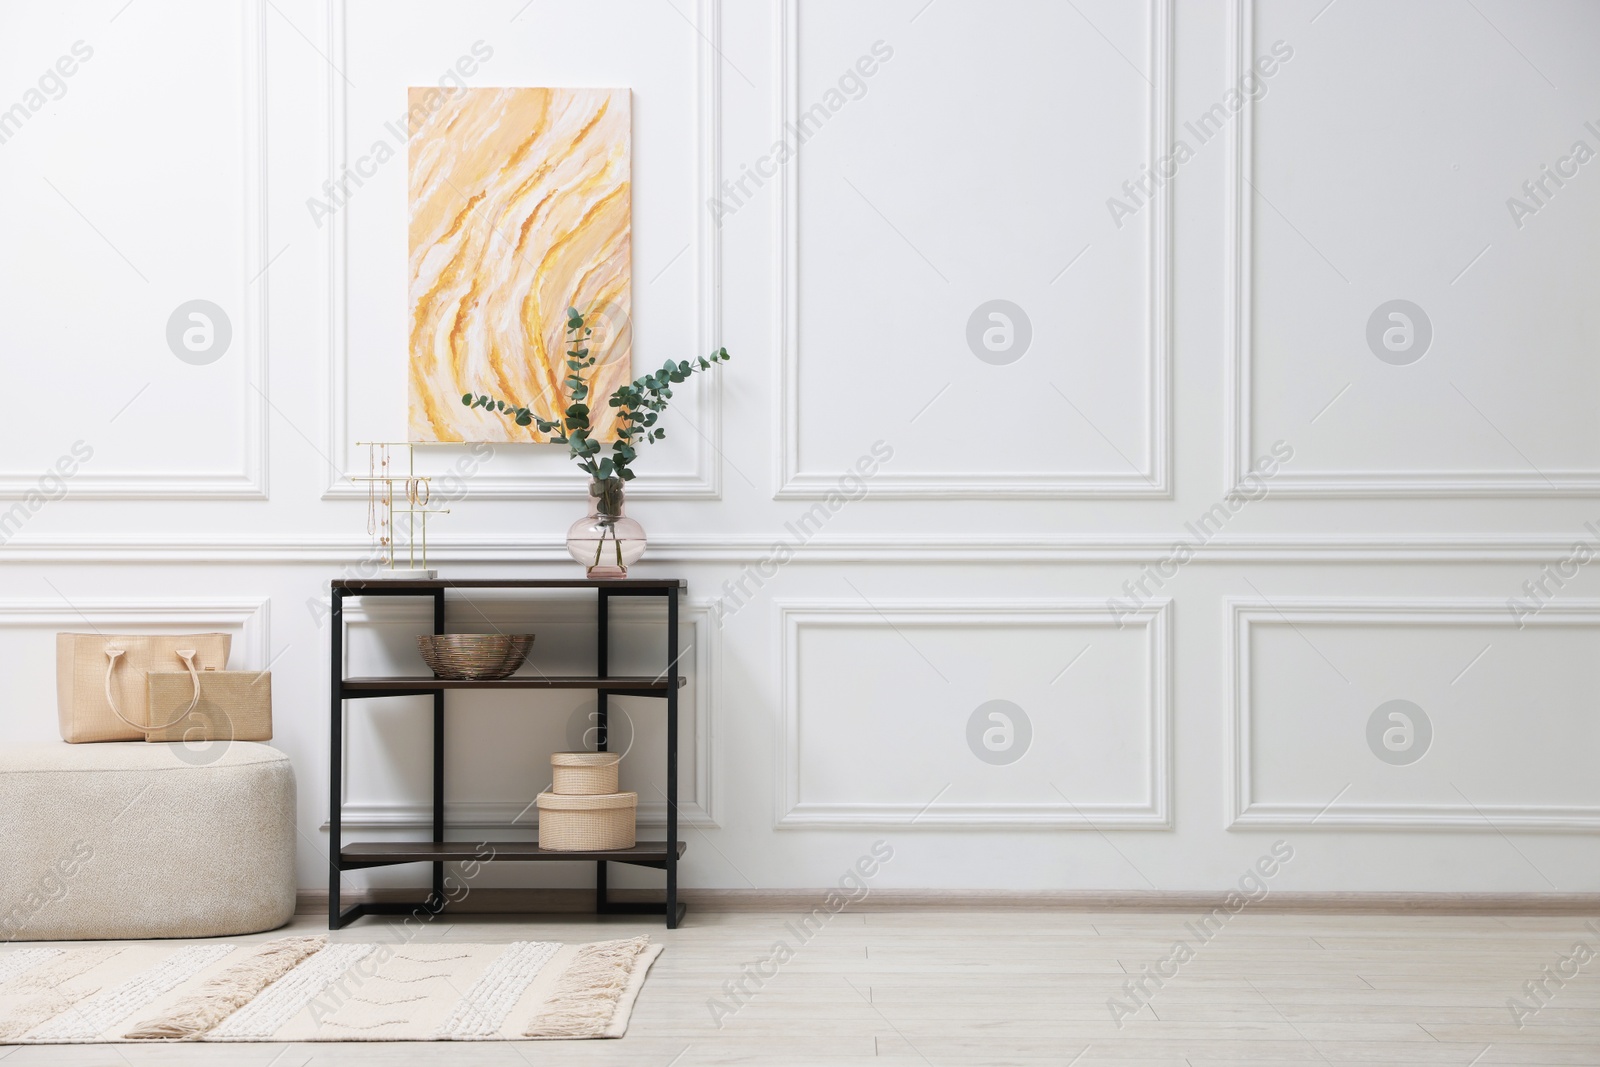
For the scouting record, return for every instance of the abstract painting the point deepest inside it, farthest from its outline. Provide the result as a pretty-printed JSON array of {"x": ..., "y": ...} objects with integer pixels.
[{"x": 521, "y": 205}]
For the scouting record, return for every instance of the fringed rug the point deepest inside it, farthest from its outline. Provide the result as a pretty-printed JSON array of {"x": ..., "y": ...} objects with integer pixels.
[{"x": 306, "y": 989}]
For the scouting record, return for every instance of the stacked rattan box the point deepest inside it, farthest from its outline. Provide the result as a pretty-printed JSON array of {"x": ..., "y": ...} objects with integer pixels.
[{"x": 582, "y": 811}]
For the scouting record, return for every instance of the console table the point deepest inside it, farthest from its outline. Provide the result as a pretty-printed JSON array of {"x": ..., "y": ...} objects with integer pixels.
[{"x": 662, "y": 855}]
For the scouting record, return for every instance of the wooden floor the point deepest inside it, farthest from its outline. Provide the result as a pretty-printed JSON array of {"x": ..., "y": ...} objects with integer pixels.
[{"x": 1017, "y": 986}]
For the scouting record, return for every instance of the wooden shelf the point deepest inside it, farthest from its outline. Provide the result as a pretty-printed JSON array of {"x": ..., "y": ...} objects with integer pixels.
[
  {"x": 661, "y": 855},
  {"x": 428, "y": 684},
  {"x": 429, "y": 585},
  {"x": 381, "y": 853}
]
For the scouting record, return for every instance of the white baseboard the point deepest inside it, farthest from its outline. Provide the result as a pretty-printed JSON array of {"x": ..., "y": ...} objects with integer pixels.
[{"x": 550, "y": 901}]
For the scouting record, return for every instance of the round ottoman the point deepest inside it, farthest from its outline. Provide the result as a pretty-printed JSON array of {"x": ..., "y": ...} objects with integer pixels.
[{"x": 134, "y": 840}]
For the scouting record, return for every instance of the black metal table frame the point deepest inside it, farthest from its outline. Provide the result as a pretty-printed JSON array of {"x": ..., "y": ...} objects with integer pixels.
[{"x": 343, "y": 689}]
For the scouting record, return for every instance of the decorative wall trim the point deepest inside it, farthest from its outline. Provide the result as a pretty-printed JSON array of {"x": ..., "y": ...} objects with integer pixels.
[
  {"x": 503, "y": 817},
  {"x": 312, "y": 901},
  {"x": 337, "y": 443},
  {"x": 1240, "y": 286},
  {"x": 251, "y": 649},
  {"x": 1247, "y": 812},
  {"x": 697, "y": 810},
  {"x": 1154, "y": 482},
  {"x": 705, "y": 482},
  {"x": 250, "y": 483},
  {"x": 1154, "y": 617},
  {"x": 880, "y": 549}
]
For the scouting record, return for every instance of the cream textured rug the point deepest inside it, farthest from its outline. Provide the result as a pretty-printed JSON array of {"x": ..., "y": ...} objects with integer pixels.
[{"x": 307, "y": 989}]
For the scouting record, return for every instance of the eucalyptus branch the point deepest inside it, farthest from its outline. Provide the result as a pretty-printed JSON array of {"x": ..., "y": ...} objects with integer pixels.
[{"x": 640, "y": 404}]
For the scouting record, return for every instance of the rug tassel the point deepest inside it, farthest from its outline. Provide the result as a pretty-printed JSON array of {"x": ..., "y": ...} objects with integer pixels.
[
  {"x": 227, "y": 992},
  {"x": 588, "y": 991}
]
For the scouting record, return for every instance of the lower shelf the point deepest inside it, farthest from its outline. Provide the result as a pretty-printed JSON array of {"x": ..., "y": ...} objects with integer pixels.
[
  {"x": 384, "y": 853},
  {"x": 417, "y": 910}
]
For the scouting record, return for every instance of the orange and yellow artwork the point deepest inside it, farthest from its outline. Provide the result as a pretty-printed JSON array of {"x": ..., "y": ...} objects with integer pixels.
[{"x": 521, "y": 205}]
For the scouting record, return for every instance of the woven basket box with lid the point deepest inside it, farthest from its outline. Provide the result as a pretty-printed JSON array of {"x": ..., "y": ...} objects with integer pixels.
[
  {"x": 584, "y": 773},
  {"x": 583, "y": 811},
  {"x": 591, "y": 823}
]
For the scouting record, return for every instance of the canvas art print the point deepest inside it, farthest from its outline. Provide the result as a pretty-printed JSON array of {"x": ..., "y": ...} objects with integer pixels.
[{"x": 521, "y": 205}]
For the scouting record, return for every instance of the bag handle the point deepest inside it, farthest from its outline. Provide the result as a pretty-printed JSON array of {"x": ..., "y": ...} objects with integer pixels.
[{"x": 185, "y": 654}]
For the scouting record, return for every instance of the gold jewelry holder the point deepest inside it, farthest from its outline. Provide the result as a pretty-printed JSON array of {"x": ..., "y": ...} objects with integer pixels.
[{"x": 384, "y": 488}]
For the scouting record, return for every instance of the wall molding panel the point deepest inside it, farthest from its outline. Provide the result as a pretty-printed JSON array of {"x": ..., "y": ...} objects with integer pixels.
[
  {"x": 869, "y": 549},
  {"x": 705, "y": 483},
  {"x": 251, "y": 651},
  {"x": 794, "y": 483},
  {"x": 1247, "y": 811},
  {"x": 1241, "y": 448},
  {"x": 875, "y": 549},
  {"x": 251, "y": 481},
  {"x": 696, "y": 806},
  {"x": 1154, "y": 619}
]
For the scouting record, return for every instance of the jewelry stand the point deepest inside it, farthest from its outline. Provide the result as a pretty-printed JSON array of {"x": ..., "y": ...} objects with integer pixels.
[{"x": 381, "y": 512}]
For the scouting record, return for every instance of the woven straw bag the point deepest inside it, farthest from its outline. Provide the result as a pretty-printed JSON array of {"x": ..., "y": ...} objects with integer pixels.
[
  {"x": 584, "y": 773},
  {"x": 100, "y": 680},
  {"x": 232, "y": 706},
  {"x": 587, "y": 823}
]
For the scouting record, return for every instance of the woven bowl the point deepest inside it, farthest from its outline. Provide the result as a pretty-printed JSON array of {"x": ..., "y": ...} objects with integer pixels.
[{"x": 474, "y": 656}]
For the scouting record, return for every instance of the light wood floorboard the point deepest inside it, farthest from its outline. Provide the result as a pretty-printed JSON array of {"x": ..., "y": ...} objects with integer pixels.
[{"x": 1016, "y": 986}]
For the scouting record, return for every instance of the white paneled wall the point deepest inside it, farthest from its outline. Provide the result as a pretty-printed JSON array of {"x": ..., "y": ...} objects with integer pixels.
[
  {"x": 100, "y": 252},
  {"x": 1108, "y": 592},
  {"x": 499, "y": 750},
  {"x": 1427, "y": 166},
  {"x": 1510, "y": 733},
  {"x": 859, "y": 677},
  {"x": 921, "y": 143}
]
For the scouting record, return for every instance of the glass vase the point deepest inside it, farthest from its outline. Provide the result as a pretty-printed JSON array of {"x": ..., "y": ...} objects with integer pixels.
[{"x": 606, "y": 541}]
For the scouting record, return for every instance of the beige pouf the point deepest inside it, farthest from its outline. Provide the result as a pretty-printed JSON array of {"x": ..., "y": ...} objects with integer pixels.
[{"x": 136, "y": 840}]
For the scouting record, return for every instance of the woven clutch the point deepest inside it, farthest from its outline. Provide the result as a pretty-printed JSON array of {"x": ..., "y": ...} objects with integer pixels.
[{"x": 233, "y": 706}]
